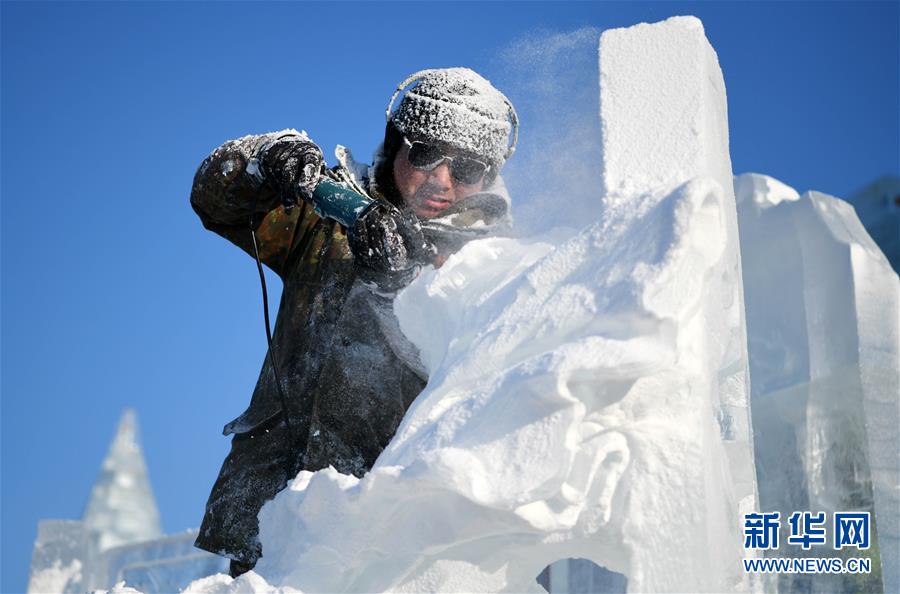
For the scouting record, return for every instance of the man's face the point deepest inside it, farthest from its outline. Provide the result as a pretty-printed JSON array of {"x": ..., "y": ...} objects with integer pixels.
[{"x": 429, "y": 193}]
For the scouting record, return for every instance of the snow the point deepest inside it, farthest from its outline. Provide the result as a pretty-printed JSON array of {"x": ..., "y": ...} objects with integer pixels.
[
  {"x": 248, "y": 583},
  {"x": 664, "y": 120},
  {"x": 763, "y": 190},
  {"x": 823, "y": 314},
  {"x": 56, "y": 561},
  {"x": 558, "y": 164},
  {"x": 121, "y": 588},
  {"x": 457, "y": 106},
  {"x": 55, "y": 577}
]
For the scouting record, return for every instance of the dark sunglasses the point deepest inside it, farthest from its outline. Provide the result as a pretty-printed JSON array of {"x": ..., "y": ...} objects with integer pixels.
[{"x": 427, "y": 157}]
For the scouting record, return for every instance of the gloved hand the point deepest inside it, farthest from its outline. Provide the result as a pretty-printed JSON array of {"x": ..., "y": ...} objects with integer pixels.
[
  {"x": 388, "y": 247},
  {"x": 292, "y": 165}
]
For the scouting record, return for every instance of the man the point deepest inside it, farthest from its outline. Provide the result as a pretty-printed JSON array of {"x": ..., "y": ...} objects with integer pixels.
[{"x": 343, "y": 374}]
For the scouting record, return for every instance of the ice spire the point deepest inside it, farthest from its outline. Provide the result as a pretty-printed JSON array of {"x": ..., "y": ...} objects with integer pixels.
[{"x": 122, "y": 508}]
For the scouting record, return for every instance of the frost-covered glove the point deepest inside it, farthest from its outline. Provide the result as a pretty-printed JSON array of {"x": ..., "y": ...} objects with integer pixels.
[
  {"x": 292, "y": 166},
  {"x": 388, "y": 247}
]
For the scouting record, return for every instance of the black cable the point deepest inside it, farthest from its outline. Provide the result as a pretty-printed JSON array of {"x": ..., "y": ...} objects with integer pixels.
[
  {"x": 289, "y": 458},
  {"x": 271, "y": 353}
]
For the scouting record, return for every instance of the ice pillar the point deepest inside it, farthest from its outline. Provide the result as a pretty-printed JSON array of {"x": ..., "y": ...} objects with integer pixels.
[
  {"x": 664, "y": 121},
  {"x": 823, "y": 307}
]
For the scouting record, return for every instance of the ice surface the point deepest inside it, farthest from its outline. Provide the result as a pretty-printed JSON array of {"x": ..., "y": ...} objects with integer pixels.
[
  {"x": 822, "y": 317},
  {"x": 164, "y": 564}
]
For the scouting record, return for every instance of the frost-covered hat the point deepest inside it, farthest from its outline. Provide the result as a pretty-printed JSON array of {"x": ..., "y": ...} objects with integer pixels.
[{"x": 459, "y": 107}]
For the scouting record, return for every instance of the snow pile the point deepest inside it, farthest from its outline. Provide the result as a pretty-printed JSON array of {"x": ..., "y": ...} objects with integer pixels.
[
  {"x": 220, "y": 583},
  {"x": 122, "y": 588},
  {"x": 587, "y": 398},
  {"x": 823, "y": 316},
  {"x": 55, "y": 575}
]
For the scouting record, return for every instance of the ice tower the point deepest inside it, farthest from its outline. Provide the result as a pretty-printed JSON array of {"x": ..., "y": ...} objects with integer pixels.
[
  {"x": 119, "y": 536},
  {"x": 823, "y": 316},
  {"x": 122, "y": 509}
]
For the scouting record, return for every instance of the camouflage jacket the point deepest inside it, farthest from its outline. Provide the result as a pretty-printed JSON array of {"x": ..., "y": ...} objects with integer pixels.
[{"x": 349, "y": 374}]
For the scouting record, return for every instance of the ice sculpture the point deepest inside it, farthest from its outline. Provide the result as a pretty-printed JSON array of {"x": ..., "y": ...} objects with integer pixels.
[
  {"x": 119, "y": 536},
  {"x": 823, "y": 316},
  {"x": 56, "y": 561},
  {"x": 587, "y": 396},
  {"x": 122, "y": 508},
  {"x": 878, "y": 208}
]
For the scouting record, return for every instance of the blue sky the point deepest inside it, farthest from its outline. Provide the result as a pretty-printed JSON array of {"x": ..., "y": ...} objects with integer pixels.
[{"x": 113, "y": 295}]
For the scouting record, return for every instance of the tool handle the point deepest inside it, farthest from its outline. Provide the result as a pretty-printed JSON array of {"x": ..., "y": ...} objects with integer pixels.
[{"x": 333, "y": 200}]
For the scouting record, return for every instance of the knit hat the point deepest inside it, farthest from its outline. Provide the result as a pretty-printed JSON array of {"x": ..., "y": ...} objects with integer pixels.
[{"x": 459, "y": 107}]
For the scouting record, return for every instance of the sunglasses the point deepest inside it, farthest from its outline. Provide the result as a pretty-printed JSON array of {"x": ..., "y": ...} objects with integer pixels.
[{"x": 427, "y": 157}]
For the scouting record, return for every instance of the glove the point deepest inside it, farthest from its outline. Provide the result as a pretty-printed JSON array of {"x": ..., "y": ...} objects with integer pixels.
[
  {"x": 388, "y": 247},
  {"x": 292, "y": 165}
]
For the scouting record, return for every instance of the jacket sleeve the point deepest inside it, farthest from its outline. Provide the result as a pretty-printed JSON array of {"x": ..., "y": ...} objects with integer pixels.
[{"x": 229, "y": 194}]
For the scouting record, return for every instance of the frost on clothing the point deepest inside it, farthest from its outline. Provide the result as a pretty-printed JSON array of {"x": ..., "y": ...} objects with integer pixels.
[
  {"x": 458, "y": 107},
  {"x": 348, "y": 373}
]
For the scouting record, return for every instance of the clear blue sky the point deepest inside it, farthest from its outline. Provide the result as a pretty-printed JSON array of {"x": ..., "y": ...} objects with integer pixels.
[{"x": 113, "y": 295}]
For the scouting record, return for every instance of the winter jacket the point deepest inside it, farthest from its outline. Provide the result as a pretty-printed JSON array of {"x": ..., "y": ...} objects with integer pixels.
[{"x": 348, "y": 372}]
